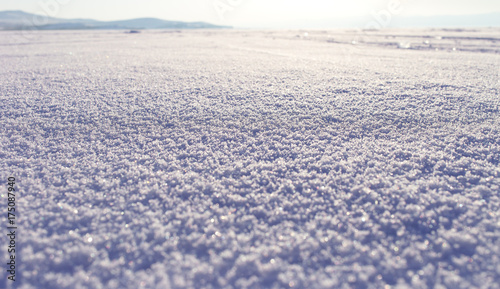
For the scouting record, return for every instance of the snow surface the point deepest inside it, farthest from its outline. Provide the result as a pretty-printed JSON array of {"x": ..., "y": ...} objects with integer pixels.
[{"x": 246, "y": 159}]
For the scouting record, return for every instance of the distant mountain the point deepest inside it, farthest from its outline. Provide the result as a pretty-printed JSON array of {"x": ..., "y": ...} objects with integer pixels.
[{"x": 19, "y": 20}]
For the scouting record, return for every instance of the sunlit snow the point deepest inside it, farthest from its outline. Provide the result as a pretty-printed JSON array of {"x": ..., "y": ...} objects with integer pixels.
[{"x": 244, "y": 159}]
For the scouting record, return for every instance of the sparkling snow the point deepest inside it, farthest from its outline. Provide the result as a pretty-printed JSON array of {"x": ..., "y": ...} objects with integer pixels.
[{"x": 245, "y": 159}]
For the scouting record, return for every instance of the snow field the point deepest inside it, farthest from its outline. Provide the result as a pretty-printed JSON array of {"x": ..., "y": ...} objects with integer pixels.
[{"x": 246, "y": 159}]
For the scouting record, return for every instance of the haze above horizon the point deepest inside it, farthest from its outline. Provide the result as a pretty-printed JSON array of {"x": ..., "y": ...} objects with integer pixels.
[{"x": 259, "y": 13}]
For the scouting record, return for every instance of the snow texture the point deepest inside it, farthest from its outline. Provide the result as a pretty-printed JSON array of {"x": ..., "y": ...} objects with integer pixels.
[{"x": 246, "y": 159}]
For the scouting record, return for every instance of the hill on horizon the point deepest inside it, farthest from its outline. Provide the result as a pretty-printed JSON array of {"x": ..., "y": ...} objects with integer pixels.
[{"x": 20, "y": 20}]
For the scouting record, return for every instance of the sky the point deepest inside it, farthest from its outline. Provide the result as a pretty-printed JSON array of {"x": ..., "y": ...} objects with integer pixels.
[{"x": 250, "y": 13}]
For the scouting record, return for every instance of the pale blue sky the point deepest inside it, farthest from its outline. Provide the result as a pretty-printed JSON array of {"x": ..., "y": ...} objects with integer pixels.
[{"x": 248, "y": 13}]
